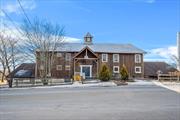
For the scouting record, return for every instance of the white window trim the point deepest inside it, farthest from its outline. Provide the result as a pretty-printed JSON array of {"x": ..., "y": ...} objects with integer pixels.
[
  {"x": 41, "y": 67},
  {"x": 68, "y": 66},
  {"x": 139, "y": 69},
  {"x": 139, "y": 58},
  {"x": 67, "y": 57},
  {"x": 106, "y": 57},
  {"x": 114, "y": 57},
  {"x": 114, "y": 69},
  {"x": 59, "y": 54},
  {"x": 58, "y": 66}
]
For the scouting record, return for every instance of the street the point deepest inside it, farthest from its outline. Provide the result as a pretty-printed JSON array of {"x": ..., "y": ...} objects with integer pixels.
[{"x": 132, "y": 102}]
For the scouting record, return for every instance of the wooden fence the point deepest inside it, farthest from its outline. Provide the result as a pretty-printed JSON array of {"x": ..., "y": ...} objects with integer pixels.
[
  {"x": 171, "y": 76},
  {"x": 25, "y": 82}
]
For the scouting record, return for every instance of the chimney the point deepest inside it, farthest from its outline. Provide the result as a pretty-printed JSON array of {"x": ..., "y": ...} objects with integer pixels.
[{"x": 178, "y": 50}]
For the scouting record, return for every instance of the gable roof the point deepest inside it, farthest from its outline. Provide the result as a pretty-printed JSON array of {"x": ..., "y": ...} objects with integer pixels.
[
  {"x": 85, "y": 48},
  {"x": 25, "y": 70},
  {"x": 101, "y": 48},
  {"x": 151, "y": 68}
]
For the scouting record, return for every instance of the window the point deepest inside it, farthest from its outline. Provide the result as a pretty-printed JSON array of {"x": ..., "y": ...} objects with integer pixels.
[
  {"x": 88, "y": 39},
  {"x": 137, "y": 58},
  {"x": 116, "y": 69},
  {"x": 58, "y": 67},
  {"x": 104, "y": 57},
  {"x": 137, "y": 69},
  {"x": 41, "y": 67},
  {"x": 59, "y": 54},
  {"x": 68, "y": 56},
  {"x": 68, "y": 67},
  {"x": 115, "y": 57}
]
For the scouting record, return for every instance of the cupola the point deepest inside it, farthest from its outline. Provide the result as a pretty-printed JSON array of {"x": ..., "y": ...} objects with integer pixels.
[{"x": 88, "y": 38}]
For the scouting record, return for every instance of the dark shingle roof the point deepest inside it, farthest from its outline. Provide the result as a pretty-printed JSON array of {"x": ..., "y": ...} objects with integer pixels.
[
  {"x": 25, "y": 70},
  {"x": 151, "y": 68}
]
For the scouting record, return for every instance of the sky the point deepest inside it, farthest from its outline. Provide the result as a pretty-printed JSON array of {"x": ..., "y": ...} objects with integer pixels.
[{"x": 150, "y": 25}]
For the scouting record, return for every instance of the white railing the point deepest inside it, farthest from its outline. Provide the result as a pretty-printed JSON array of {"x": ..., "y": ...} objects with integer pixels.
[{"x": 171, "y": 76}]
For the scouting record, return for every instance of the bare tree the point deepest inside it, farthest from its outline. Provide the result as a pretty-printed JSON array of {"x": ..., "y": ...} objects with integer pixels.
[
  {"x": 41, "y": 41},
  {"x": 175, "y": 60},
  {"x": 9, "y": 54}
]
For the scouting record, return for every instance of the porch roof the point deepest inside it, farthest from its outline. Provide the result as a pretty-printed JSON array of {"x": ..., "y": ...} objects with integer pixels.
[{"x": 102, "y": 48}]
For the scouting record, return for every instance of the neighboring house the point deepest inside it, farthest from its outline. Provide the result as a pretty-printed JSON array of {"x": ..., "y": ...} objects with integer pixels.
[
  {"x": 25, "y": 70},
  {"x": 151, "y": 69},
  {"x": 88, "y": 57}
]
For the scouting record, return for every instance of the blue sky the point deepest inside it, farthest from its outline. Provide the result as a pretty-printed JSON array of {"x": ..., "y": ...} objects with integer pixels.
[{"x": 148, "y": 24}]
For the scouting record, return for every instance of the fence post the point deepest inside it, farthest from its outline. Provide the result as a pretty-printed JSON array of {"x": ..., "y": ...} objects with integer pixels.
[
  {"x": 158, "y": 77},
  {"x": 16, "y": 82}
]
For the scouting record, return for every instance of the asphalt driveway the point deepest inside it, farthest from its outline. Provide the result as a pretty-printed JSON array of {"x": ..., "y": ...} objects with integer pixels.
[{"x": 132, "y": 102}]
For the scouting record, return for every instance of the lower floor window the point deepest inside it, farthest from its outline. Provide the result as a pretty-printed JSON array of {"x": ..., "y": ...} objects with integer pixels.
[
  {"x": 68, "y": 67},
  {"x": 59, "y": 67},
  {"x": 137, "y": 69},
  {"x": 116, "y": 69}
]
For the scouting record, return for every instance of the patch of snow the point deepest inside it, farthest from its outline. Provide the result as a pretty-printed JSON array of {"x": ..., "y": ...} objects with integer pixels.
[
  {"x": 141, "y": 82},
  {"x": 74, "y": 85},
  {"x": 174, "y": 86}
]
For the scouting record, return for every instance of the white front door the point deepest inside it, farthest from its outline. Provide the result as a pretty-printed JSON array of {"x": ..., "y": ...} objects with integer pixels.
[{"x": 86, "y": 70}]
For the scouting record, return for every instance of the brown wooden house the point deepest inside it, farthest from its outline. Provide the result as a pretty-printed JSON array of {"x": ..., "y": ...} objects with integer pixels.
[
  {"x": 151, "y": 69},
  {"x": 88, "y": 57}
]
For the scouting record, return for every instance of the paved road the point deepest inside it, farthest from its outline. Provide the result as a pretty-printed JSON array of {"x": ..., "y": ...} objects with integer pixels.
[{"x": 132, "y": 102}]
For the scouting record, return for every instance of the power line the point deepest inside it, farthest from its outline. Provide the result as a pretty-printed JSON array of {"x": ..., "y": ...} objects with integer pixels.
[{"x": 24, "y": 12}]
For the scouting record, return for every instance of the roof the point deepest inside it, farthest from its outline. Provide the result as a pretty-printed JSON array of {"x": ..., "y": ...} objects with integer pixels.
[
  {"x": 25, "y": 70},
  {"x": 151, "y": 68},
  {"x": 88, "y": 35},
  {"x": 101, "y": 48}
]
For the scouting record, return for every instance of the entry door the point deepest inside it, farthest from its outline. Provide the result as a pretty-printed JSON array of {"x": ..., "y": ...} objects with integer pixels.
[{"x": 86, "y": 70}]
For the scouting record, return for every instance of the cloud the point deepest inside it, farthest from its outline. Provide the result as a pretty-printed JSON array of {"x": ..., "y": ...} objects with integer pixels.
[
  {"x": 14, "y": 7},
  {"x": 71, "y": 39},
  {"x": 161, "y": 54},
  {"x": 14, "y": 33},
  {"x": 165, "y": 52}
]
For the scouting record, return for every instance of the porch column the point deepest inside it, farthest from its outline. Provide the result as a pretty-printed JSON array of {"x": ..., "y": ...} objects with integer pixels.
[{"x": 74, "y": 65}]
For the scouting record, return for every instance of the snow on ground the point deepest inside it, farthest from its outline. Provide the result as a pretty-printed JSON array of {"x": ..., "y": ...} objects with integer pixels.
[
  {"x": 175, "y": 86},
  {"x": 141, "y": 82},
  {"x": 75, "y": 85}
]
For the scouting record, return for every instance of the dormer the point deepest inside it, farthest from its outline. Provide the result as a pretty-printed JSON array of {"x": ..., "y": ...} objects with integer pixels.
[{"x": 88, "y": 38}]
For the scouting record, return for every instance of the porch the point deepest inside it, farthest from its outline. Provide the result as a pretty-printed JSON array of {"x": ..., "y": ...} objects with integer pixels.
[{"x": 86, "y": 64}]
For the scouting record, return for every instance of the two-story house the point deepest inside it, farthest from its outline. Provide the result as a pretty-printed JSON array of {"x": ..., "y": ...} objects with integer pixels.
[{"x": 88, "y": 57}]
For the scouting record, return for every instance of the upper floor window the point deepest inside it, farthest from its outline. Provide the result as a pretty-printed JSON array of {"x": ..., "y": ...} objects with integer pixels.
[
  {"x": 137, "y": 58},
  {"x": 104, "y": 57},
  {"x": 58, "y": 67},
  {"x": 68, "y": 56},
  {"x": 59, "y": 54},
  {"x": 137, "y": 69},
  {"x": 41, "y": 67},
  {"x": 115, "y": 57}
]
